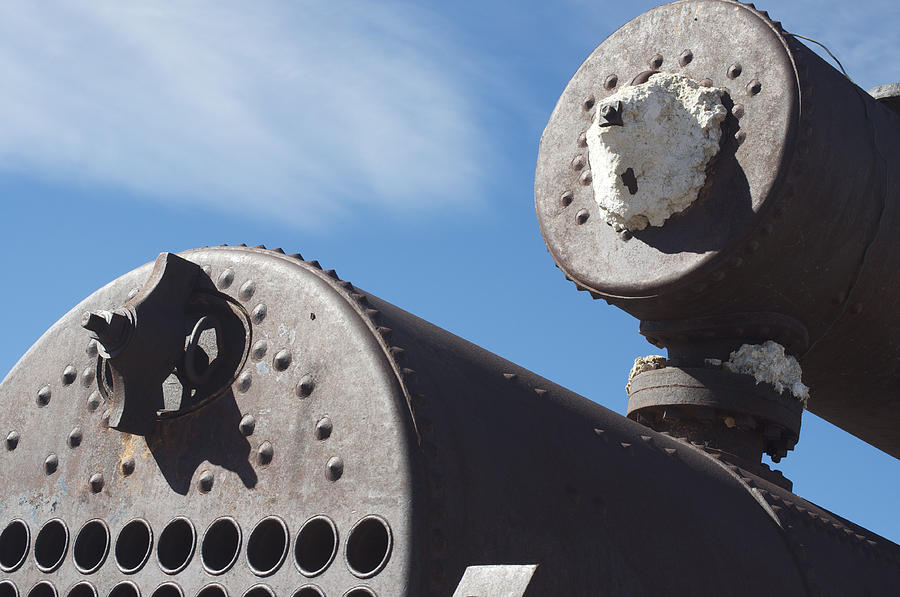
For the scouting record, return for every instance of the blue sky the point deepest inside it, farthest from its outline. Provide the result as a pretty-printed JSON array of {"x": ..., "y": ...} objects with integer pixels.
[{"x": 392, "y": 141}]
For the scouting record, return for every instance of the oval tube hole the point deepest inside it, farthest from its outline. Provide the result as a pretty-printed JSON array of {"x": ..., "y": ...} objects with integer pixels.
[
  {"x": 213, "y": 590},
  {"x": 316, "y": 546},
  {"x": 126, "y": 588},
  {"x": 14, "y": 546},
  {"x": 360, "y": 592},
  {"x": 8, "y": 589},
  {"x": 259, "y": 591},
  {"x": 267, "y": 546},
  {"x": 50, "y": 546},
  {"x": 168, "y": 589},
  {"x": 368, "y": 546},
  {"x": 133, "y": 546},
  {"x": 175, "y": 548},
  {"x": 309, "y": 591},
  {"x": 42, "y": 589},
  {"x": 221, "y": 545},
  {"x": 82, "y": 589},
  {"x": 91, "y": 546}
]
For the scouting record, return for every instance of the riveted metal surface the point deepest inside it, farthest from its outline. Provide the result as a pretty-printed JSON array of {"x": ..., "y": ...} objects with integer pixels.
[
  {"x": 836, "y": 556},
  {"x": 659, "y": 260},
  {"x": 445, "y": 455},
  {"x": 259, "y": 451},
  {"x": 799, "y": 220},
  {"x": 520, "y": 469}
]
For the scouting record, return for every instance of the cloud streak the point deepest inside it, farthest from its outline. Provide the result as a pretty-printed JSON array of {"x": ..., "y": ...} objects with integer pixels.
[{"x": 296, "y": 110}]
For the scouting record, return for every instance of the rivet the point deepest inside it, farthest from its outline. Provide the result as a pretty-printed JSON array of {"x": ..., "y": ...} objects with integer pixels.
[
  {"x": 740, "y": 137},
  {"x": 205, "y": 483},
  {"x": 96, "y": 482},
  {"x": 12, "y": 440},
  {"x": 265, "y": 452},
  {"x": 610, "y": 81},
  {"x": 582, "y": 139},
  {"x": 259, "y": 350},
  {"x": 578, "y": 163},
  {"x": 671, "y": 451},
  {"x": 656, "y": 61},
  {"x": 647, "y": 439},
  {"x": 259, "y": 313},
  {"x": 43, "y": 396},
  {"x": 734, "y": 71},
  {"x": 93, "y": 401},
  {"x": 243, "y": 381},
  {"x": 685, "y": 58},
  {"x": 566, "y": 198},
  {"x": 738, "y": 111},
  {"x": 540, "y": 392},
  {"x": 306, "y": 386},
  {"x": 226, "y": 278},
  {"x": 582, "y": 216},
  {"x": 334, "y": 469},
  {"x": 132, "y": 293},
  {"x": 625, "y": 235},
  {"x": 510, "y": 376},
  {"x": 586, "y": 177},
  {"x": 247, "y": 290},
  {"x": 282, "y": 359},
  {"x": 74, "y": 439},
  {"x": 50, "y": 464},
  {"x": 323, "y": 428},
  {"x": 247, "y": 425},
  {"x": 87, "y": 376},
  {"x": 91, "y": 349},
  {"x": 754, "y": 87},
  {"x": 706, "y": 82},
  {"x": 104, "y": 419},
  {"x": 588, "y": 103},
  {"x": 127, "y": 465}
]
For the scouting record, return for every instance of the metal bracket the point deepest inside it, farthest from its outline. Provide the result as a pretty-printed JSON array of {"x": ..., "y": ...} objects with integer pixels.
[
  {"x": 146, "y": 344},
  {"x": 495, "y": 581}
]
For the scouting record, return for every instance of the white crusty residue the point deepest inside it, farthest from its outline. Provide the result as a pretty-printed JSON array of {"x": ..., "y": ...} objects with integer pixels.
[
  {"x": 653, "y": 164},
  {"x": 768, "y": 363},
  {"x": 641, "y": 364}
]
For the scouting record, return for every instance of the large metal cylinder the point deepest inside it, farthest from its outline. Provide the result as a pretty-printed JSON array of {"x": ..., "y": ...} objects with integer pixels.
[
  {"x": 798, "y": 215},
  {"x": 361, "y": 451}
]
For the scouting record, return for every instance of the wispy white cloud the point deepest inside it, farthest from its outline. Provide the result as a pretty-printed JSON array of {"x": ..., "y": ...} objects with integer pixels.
[{"x": 290, "y": 109}]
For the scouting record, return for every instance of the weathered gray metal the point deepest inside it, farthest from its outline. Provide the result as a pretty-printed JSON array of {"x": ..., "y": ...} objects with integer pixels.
[
  {"x": 245, "y": 423},
  {"x": 797, "y": 217},
  {"x": 495, "y": 581},
  {"x": 397, "y": 454}
]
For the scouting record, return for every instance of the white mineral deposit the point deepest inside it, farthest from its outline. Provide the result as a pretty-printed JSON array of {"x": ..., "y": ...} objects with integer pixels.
[
  {"x": 768, "y": 363},
  {"x": 653, "y": 164}
]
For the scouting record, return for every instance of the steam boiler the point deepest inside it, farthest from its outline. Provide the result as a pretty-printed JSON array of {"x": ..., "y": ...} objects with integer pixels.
[{"x": 240, "y": 422}]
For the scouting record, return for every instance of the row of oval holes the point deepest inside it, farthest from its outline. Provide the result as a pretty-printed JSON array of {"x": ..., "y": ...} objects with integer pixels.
[
  {"x": 368, "y": 546},
  {"x": 168, "y": 589}
]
